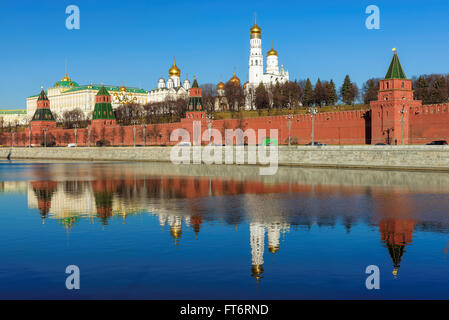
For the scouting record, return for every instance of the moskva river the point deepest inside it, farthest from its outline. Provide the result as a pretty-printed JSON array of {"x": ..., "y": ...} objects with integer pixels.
[{"x": 160, "y": 231}]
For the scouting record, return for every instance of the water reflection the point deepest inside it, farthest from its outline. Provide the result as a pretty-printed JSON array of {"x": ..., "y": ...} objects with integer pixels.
[{"x": 183, "y": 199}]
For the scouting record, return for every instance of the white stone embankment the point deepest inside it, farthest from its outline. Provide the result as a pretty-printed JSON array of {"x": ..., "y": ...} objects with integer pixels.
[{"x": 369, "y": 157}]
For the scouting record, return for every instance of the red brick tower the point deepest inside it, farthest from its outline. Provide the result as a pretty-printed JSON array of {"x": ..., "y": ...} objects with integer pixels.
[
  {"x": 390, "y": 113},
  {"x": 43, "y": 118},
  {"x": 195, "y": 109},
  {"x": 103, "y": 114}
]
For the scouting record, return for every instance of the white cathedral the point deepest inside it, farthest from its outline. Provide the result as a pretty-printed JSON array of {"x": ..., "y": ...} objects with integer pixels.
[{"x": 256, "y": 75}]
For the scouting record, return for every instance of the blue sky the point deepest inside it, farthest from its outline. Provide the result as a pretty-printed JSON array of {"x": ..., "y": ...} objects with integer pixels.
[{"x": 133, "y": 42}]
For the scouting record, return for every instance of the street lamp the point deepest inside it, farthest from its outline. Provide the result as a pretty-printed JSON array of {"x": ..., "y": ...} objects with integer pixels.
[
  {"x": 402, "y": 112},
  {"x": 289, "y": 123},
  {"x": 45, "y": 137},
  {"x": 12, "y": 138},
  {"x": 313, "y": 111},
  {"x": 210, "y": 118},
  {"x": 88, "y": 136},
  {"x": 76, "y": 128},
  {"x": 144, "y": 133},
  {"x": 134, "y": 131}
]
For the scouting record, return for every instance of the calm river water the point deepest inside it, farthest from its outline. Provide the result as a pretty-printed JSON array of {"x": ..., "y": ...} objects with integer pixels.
[{"x": 160, "y": 231}]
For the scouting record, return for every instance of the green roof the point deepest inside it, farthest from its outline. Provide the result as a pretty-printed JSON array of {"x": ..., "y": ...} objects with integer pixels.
[
  {"x": 109, "y": 88},
  {"x": 13, "y": 111},
  {"x": 69, "y": 84},
  {"x": 43, "y": 114},
  {"x": 195, "y": 84},
  {"x": 42, "y": 96},
  {"x": 395, "y": 70},
  {"x": 103, "y": 92}
]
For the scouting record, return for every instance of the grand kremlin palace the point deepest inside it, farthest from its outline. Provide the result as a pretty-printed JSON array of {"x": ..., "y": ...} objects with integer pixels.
[{"x": 67, "y": 95}]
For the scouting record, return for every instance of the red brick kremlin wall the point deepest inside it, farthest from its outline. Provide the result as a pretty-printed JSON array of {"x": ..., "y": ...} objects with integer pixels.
[
  {"x": 425, "y": 124},
  {"x": 346, "y": 127}
]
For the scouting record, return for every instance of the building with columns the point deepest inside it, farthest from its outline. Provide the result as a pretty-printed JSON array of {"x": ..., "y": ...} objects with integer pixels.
[{"x": 67, "y": 94}]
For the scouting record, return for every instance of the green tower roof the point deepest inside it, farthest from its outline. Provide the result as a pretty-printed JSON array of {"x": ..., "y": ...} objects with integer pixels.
[
  {"x": 195, "y": 84},
  {"x": 42, "y": 96},
  {"x": 103, "y": 92},
  {"x": 395, "y": 70}
]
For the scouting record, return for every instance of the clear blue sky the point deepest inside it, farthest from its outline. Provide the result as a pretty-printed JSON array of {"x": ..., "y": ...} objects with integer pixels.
[{"x": 135, "y": 41}]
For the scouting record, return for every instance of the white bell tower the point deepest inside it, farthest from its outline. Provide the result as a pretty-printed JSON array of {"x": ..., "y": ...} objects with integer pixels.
[{"x": 255, "y": 55}]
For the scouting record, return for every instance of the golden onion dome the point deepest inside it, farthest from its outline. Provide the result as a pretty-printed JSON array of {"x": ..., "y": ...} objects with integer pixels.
[
  {"x": 123, "y": 88},
  {"x": 174, "y": 70},
  {"x": 272, "y": 52},
  {"x": 235, "y": 80},
  {"x": 221, "y": 86},
  {"x": 66, "y": 78},
  {"x": 255, "y": 30}
]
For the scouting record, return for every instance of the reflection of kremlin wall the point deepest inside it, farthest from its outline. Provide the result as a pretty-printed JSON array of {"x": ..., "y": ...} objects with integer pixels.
[{"x": 269, "y": 209}]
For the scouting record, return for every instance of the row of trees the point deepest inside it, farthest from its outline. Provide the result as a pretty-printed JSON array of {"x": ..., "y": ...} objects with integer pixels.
[{"x": 432, "y": 89}]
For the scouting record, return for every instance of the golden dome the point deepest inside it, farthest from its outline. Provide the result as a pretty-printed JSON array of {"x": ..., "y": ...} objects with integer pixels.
[
  {"x": 245, "y": 84},
  {"x": 123, "y": 88},
  {"x": 66, "y": 78},
  {"x": 272, "y": 52},
  {"x": 221, "y": 86},
  {"x": 174, "y": 70},
  {"x": 255, "y": 30},
  {"x": 235, "y": 80}
]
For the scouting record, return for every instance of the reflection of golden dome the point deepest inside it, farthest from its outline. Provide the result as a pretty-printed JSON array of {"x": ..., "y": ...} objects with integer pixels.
[
  {"x": 220, "y": 86},
  {"x": 395, "y": 272},
  {"x": 256, "y": 271},
  {"x": 255, "y": 30},
  {"x": 123, "y": 88},
  {"x": 176, "y": 232},
  {"x": 273, "y": 249},
  {"x": 174, "y": 70},
  {"x": 66, "y": 78},
  {"x": 234, "y": 80}
]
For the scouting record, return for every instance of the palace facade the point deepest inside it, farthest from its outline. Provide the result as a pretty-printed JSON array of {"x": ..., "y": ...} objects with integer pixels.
[{"x": 67, "y": 94}]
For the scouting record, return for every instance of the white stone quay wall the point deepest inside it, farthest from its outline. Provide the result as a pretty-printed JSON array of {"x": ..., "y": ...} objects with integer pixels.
[{"x": 375, "y": 157}]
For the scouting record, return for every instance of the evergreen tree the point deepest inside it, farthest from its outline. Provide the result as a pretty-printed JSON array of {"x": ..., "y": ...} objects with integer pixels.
[
  {"x": 278, "y": 97},
  {"x": 370, "y": 90},
  {"x": 319, "y": 93},
  {"x": 293, "y": 94},
  {"x": 439, "y": 91},
  {"x": 422, "y": 90},
  {"x": 262, "y": 98},
  {"x": 348, "y": 91},
  {"x": 308, "y": 98},
  {"x": 330, "y": 93}
]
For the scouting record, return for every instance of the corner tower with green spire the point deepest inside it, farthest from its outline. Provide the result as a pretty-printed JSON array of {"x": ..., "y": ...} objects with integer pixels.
[
  {"x": 390, "y": 113},
  {"x": 43, "y": 117},
  {"x": 103, "y": 113}
]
